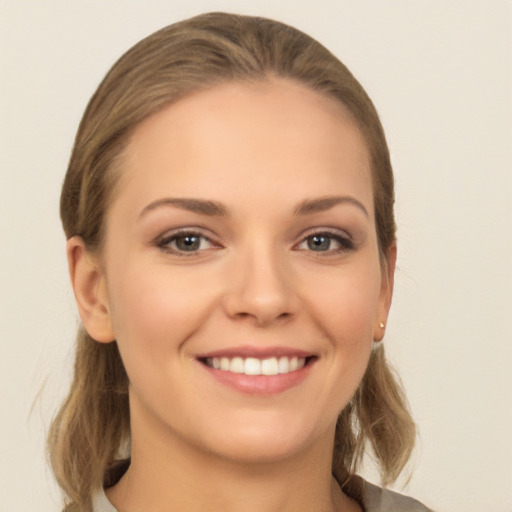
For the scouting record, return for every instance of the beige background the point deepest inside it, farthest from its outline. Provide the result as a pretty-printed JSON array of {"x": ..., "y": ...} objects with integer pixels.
[{"x": 440, "y": 73}]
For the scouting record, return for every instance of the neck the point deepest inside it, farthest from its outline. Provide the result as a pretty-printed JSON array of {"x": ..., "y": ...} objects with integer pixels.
[{"x": 167, "y": 473}]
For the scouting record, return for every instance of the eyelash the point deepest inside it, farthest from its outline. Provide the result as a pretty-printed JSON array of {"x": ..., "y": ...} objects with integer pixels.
[
  {"x": 346, "y": 244},
  {"x": 164, "y": 243}
]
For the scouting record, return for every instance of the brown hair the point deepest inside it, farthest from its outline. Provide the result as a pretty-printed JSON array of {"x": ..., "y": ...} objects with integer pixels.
[{"x": 93, "y": 423}]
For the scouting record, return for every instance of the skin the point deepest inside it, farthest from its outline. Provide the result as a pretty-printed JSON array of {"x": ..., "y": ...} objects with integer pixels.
[{"x": 256, "y": 279}]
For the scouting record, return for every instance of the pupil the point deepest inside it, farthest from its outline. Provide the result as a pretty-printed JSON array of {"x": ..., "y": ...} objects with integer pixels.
[
  {"x": 188, "y": 243},
  {"x": 319, "y": 242}
]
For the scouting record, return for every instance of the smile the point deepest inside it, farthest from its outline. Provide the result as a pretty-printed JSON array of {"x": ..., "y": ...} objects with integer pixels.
[
  {"x": 259, "y": 370},
  {"x": 254, "y": 366}
]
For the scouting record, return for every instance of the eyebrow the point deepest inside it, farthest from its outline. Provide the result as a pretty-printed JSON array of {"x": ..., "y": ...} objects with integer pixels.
[
  {"x": 310, "y": 206},
  {"x": 200, "y": 206},
  {"x": 214, "y": 208}
]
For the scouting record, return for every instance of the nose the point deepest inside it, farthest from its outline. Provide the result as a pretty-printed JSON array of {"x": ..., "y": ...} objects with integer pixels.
[{"x": 260, "y": 288}]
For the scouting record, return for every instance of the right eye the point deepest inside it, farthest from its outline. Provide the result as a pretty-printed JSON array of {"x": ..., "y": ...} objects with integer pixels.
[{"x": 185, "y": 243}]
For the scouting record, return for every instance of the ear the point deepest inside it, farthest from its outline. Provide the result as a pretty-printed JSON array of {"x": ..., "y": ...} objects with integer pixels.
[
  {"x": 386, "y": 292},
  {"x": 88, "y": 281}
]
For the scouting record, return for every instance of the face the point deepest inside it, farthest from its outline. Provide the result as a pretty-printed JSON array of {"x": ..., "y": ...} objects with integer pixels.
[{"x": 241, "y": 270}]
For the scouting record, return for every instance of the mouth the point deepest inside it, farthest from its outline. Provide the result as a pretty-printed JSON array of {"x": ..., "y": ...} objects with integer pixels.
[
  {"x": 259, "y": 371},
  {"x": 268, "y": 366}
]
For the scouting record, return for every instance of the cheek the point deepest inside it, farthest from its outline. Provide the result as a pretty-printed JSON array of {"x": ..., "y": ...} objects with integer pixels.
[
  {"x": 155, "y": 309},
  {"x": 344, "y": 305},
  {"x": 346, "y": 302}
]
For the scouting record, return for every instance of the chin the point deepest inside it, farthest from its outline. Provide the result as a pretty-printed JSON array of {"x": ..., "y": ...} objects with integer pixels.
[{"x": 265, "y": 442}]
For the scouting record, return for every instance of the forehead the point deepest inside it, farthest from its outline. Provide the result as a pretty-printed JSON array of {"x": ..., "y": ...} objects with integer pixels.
[{"x": 261, "y": 137}]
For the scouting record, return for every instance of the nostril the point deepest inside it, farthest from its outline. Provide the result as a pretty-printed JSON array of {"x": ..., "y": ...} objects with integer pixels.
[
  {"x": 262, "y": 308},
  {"x": 242, "y": 315}
]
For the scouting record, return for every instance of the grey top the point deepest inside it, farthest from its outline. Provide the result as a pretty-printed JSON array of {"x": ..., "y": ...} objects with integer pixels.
[{"x": 375, "y": 499}]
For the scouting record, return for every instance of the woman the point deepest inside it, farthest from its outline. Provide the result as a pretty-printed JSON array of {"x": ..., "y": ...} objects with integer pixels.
[{"x": 231, "y": 242}]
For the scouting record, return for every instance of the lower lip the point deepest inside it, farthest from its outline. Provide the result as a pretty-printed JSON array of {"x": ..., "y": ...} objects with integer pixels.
[{"x": 260, "y": 384}]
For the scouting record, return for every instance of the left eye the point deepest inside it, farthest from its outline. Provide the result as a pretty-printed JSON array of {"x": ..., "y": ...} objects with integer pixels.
[
  {"x": 185, "y": 242},
  {"x": 324, "y": 242}
]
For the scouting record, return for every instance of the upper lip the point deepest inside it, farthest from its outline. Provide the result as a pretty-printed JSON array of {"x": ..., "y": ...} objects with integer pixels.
[{"x": 257, "y": 352}]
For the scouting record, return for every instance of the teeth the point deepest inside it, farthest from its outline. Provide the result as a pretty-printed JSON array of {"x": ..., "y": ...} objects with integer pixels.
[
  {"x": 270, "y": 366},
  {"x": 236, "y": 365},
  {"x": 255, "y": 366},
  {"x": 284, "y": 365},
  {"x": 252, "y": 366}
]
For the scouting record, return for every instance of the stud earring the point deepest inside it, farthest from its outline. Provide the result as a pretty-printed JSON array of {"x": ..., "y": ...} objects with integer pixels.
[{"x": 382, "y": 325}]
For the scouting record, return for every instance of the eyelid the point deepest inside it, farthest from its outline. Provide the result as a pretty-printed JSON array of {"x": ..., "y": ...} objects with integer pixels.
[
  {"x": 334, "y": 232},
  {"x": 341, "y": 236},
  {"x": 163, "y": 241}
]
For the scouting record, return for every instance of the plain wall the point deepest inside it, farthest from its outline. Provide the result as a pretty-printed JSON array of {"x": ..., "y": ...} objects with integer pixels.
[{"x": 440, "y": 74}]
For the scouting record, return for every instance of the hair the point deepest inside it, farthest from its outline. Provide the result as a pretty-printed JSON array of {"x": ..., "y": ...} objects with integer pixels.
[{"x": 93, "y": 424}]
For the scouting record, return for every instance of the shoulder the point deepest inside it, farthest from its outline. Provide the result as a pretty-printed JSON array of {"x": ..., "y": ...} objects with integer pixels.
[
  {"x": 100, "y": 503},
  {"x": 376, "y": 499}
]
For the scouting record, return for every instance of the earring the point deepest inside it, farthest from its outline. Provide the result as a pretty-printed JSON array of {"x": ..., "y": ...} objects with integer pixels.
[{"x": 382, "y": 325}]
